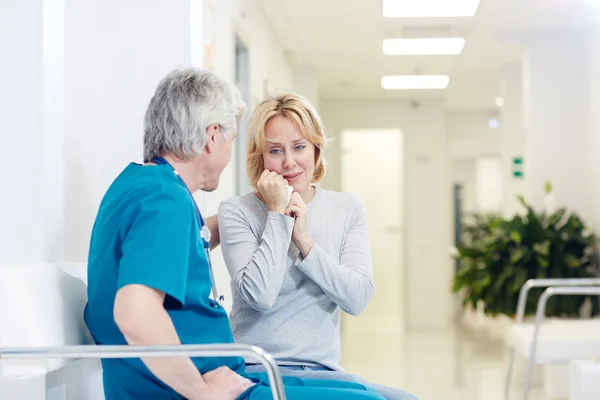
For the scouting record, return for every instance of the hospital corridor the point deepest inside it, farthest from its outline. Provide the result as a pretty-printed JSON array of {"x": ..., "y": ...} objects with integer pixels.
[{"x": 300, "y": 199}]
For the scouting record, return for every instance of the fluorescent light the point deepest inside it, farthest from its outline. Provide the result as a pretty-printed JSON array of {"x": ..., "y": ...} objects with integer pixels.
[
  {"x": 429, "y": 8},
  {"x": 411, "y": 82},
  {"x": 499, "y": 101},
  {"x": 423, "y": 46}
]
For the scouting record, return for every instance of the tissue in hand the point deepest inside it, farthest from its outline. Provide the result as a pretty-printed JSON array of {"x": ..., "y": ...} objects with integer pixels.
[{"x": 290, "y": 191}]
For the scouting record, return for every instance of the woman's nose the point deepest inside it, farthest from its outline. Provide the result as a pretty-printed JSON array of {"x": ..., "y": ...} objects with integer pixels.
[{"x": 289, "y": 162}]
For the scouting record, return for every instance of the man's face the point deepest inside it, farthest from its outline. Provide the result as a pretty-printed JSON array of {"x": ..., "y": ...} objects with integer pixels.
[{"x": 222, "y": 146}]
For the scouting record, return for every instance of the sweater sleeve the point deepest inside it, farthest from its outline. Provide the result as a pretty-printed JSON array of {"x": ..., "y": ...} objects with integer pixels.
[
  {"x": 348, "y": 283},
  {"x": 256, "y": 265}
]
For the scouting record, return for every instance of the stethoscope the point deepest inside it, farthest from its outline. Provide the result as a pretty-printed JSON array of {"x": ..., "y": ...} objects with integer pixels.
[{"x": 204, "y": 230}]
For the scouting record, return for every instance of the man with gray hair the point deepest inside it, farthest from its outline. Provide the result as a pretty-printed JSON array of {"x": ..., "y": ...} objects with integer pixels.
[{"x": 149, "y": 278}]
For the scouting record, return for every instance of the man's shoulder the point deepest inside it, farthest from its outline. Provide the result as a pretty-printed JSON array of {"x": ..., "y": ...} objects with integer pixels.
[{"x": 140, "y": 188}]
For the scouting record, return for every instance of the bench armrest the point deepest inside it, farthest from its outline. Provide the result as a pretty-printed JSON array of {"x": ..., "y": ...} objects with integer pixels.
[
  {"x": 126, "y": 351},
  {"x": 533, "y": 283}
]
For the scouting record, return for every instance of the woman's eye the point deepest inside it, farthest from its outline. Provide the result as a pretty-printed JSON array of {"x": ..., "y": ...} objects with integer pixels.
[
  {"x": 300, "y": 147},
  {"x": 275, "y": 151}
]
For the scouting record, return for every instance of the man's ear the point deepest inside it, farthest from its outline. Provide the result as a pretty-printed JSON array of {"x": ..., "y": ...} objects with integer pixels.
[{"x": 211, "y": 132}]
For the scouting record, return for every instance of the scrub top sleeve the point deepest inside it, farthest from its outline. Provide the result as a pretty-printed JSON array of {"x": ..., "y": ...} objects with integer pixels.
[{"x": 156, "y": 248}]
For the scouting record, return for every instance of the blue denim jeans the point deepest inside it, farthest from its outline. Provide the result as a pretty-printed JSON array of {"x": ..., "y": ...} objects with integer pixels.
[{"x": 322, "y": 373}]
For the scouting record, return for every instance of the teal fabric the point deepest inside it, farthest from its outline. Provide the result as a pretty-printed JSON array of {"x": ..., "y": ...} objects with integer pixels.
[{"x": 146, "y": 232}]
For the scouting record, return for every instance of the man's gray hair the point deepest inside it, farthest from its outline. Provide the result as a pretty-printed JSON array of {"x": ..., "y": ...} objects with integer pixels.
[{"x": 185, "y": 103}]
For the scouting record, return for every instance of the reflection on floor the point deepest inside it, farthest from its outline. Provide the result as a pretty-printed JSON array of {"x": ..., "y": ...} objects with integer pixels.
[{"x": 456, "y": 365}]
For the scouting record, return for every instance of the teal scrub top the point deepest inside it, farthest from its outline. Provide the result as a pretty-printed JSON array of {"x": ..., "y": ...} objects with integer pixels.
[{"x": 147, "y": 233}]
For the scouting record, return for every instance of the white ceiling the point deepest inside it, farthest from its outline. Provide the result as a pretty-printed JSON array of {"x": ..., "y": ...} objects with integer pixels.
[{"x": 343, "y": 39}]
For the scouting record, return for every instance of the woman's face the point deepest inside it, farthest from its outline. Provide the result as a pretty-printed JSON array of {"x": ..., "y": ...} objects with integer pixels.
[{"x": 289, "y": 153}]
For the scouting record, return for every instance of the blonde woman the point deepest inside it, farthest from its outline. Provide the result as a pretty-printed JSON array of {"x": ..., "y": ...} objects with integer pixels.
[{"x": 297, "y": 254}]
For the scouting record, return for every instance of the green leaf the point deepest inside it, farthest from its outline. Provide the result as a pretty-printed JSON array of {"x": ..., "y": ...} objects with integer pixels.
[
  {"x": 457, "y": 285},
  {"x": 556, "y": 217},
  {"x": 465, "y": 269},
  {"x": 483, "y": 283},
  {"x": 571, "y": 261},
  {"x": 507, "y": 272},
  {"x": 542, "y": 248},
  {"x": 515, "y": 236},
  {"x": 517, "y": 254},
  {"x": 542, "y": 262},
  {"x": 548, "y": 187},
  {"x": 520, "y": 279}
]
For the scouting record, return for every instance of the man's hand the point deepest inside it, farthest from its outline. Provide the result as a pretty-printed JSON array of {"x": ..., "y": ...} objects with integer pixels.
[{"x": 225, "y": 384}]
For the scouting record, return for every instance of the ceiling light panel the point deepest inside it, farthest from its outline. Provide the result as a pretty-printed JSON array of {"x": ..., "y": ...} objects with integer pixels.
[{"x": 423, "y": 46}]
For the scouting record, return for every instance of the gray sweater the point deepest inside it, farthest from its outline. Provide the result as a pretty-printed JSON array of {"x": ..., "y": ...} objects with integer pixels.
[{"x": 285, "y": 304}]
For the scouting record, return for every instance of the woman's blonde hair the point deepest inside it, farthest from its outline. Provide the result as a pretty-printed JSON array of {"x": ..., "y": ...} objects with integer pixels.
[{"x": 296, "y": 109}]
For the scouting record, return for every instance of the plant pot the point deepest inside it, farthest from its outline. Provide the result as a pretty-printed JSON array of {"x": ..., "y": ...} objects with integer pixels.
[
  {"x": 474, "y": 319},
  {"x": 497, "y": 327}
]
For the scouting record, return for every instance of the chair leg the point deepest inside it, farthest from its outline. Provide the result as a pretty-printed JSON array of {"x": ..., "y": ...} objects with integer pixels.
[
  {"x": 528, "y": 377},
  {"x": 511, "y": 359},
  {"x": 531, "y": 360}
]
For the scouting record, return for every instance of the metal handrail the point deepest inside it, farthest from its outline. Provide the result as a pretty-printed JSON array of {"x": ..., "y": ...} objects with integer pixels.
[
  {"x": 523, "y": 293},
  {"x": 126, "y": 351}
]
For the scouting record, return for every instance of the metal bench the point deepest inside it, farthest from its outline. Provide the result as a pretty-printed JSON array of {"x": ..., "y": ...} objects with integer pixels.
[{"x": 42, "y": 328}]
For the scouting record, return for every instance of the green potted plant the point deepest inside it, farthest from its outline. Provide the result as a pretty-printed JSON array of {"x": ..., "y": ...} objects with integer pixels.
[{"x": 498, "y": 255}]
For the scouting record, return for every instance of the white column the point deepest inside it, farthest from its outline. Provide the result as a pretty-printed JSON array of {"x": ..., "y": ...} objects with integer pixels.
[
  {"x": 513, "y": 140},
  {"x": 428, "y": 219},
  {"x": 593, "y": 40},
  {"x": 28, "y": 46},
  {"x": 22, "y": 116},
  {"x": 556, "y": 79}
]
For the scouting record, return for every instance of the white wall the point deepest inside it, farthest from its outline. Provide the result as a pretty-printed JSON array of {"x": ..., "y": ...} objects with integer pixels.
[
  {"x": 488, "y": 185},
  {"x": 556, "y": 75},
  {"x": 470, "y": 135},
  {"x": 110, "y": 77},
  {"x": 514, "y": 141},
  {"x": 428, "y": 201},
  {"x": 306, "y": 82}
]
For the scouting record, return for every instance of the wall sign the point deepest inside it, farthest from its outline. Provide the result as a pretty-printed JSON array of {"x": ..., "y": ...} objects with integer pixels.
[{"x": 517, "y": 167}]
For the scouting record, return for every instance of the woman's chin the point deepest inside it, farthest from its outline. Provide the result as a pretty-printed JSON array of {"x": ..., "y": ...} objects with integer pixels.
[{"x": 299, "y": 186}]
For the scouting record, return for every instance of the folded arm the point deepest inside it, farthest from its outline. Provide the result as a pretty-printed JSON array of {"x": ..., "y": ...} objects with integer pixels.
[
  {"x": 349, "y": 282},
  {"x": 256, "y": 264}
]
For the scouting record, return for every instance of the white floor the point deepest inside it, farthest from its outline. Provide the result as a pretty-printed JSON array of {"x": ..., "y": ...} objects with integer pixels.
[{"x": 459, "y": 364}]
